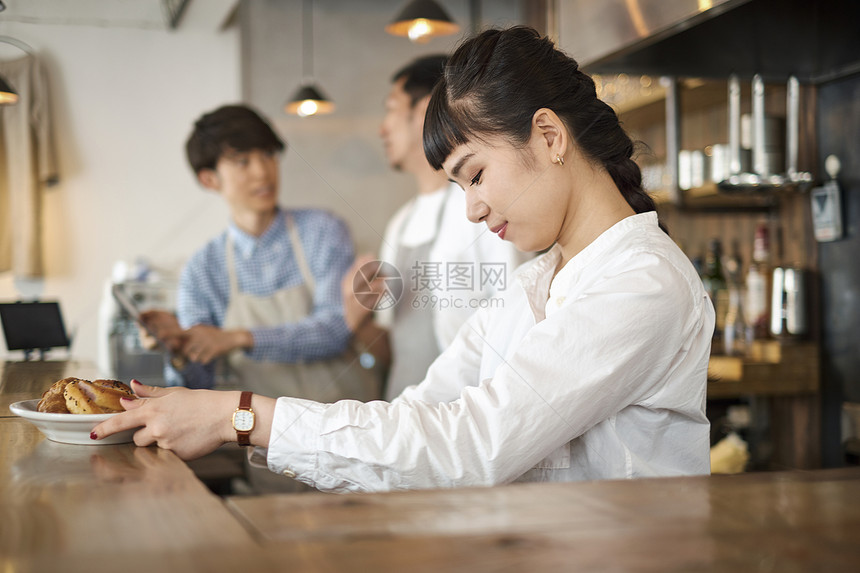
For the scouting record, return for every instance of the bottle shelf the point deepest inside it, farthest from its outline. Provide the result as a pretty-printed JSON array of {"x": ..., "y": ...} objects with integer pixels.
[
  {"x": 746, "y": 183},
  {"x": 710, "y": 197},
  {"x": 772, "y": 368}
]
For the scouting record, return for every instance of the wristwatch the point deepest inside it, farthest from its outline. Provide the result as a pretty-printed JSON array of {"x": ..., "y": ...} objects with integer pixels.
[{"x": 243, "y": 419}]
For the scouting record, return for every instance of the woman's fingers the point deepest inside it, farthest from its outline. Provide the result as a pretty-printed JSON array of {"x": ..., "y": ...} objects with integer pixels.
[
  {"x": 134, "y": 416},
  {"x": 143, "y": 437},
  {"x": 131, "y": 403},
  {"x": 122, "y": 421},
  {"x": 143, "y": 391}
]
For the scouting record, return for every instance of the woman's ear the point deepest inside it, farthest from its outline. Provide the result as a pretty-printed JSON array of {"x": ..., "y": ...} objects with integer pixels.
[
  {"x": 551, "y": 132},
  {"x": 209, "y": 179}
]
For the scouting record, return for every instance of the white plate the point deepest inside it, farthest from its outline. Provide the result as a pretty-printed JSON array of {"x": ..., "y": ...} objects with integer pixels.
[{"x": 68, "y": 428}]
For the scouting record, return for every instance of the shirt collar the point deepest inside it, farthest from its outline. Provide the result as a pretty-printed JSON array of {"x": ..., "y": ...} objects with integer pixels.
[
  {"x": 538, "y": 281},
  {"x": 566, "y": 277},
  {"x": 246, "y": 243},
  {"x": 535, "y": 281}
]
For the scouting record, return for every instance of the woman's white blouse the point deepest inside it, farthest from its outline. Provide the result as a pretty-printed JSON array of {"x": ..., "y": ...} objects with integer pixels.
[{"x": 597, "y": 373}]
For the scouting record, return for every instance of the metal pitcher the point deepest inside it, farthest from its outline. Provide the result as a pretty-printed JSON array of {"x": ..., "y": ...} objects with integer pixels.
[{"x": 789, "y": 311}]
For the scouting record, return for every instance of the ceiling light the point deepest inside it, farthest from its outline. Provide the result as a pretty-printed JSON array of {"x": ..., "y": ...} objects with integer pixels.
[
  {"x": 8, "y": 96},
  {"x": 308, "y": 99},
  {"x": 421, "y": 20}
]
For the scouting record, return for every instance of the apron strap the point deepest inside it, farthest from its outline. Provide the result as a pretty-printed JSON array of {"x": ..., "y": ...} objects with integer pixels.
[
  {"x": 299, "y": 252},
  {"x": 296, "y": 241},
  {"x": 231, "y": 270}
]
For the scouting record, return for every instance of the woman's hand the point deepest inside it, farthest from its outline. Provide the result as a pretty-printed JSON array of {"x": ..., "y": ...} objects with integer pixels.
[{"x": 192, "y": 423}]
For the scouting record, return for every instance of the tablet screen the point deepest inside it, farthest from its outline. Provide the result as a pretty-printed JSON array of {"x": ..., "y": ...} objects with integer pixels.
[{"x": 33, "y": 325}]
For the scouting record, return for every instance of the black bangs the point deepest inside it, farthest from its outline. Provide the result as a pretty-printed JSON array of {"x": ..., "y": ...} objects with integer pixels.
[{"x": 442, "y": 132}]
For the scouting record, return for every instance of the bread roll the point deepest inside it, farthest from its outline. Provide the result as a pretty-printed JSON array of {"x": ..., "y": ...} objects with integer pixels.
[
  {"x": 53, "y": 400},
  {"x": 98, "y": 397}
]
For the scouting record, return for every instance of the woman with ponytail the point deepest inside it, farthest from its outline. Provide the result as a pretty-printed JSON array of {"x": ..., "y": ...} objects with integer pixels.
[{"x": 592, "y": 366}]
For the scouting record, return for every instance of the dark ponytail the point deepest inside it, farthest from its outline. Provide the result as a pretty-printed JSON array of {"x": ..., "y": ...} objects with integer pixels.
[{"x": 496, "y": 81}]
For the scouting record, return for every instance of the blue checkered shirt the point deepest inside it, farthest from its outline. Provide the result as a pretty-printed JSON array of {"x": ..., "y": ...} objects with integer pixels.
[{"x": 264, "y": 265}]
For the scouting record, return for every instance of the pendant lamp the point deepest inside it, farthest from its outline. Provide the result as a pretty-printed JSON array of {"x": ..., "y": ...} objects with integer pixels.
[
  {"x": 421, "y": 20},
  {"x": 8, "y": 96},
  {"x": 308, "y": 99}
]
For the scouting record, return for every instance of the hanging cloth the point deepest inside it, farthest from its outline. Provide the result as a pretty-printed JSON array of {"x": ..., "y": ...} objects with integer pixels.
[{"x": 27, "y": 163}]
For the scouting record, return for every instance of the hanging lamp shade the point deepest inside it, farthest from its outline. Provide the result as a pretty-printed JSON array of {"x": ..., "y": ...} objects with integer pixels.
[
  {"x": 421, "y": 20},
  {"x": 8, "y": 96},
  {"x": 309, "y": 100}
]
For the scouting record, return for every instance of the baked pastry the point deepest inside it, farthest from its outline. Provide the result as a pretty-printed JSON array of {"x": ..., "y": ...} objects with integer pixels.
[
  {"x": 97, "y": 397},
  {"x": 53, "y": 400},
  {"x": 79, "y": 396}
]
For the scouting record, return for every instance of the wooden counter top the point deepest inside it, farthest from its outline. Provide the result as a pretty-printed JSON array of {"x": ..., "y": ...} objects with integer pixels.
[
  {"x": 100, "y": 508},
  {"x": 27, "y": 380},
  {"x": 83, "y": 501},
  {"x": 793, "y": 521},
  {"x": 67, "y": 507}
]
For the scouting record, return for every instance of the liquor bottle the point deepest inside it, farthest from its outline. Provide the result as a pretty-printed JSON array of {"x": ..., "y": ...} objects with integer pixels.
[
  {"x": 735, "y": 330},
  {"x": 714, "y": 280},
  {"x": 758, "y": 290}
]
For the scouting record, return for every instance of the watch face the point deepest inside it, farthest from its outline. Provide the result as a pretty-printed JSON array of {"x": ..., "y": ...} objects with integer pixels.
[{"x": 243, "y": 420}]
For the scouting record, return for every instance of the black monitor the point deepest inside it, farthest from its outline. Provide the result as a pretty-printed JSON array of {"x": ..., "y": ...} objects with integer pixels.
[{"x": 31, "y": 326}]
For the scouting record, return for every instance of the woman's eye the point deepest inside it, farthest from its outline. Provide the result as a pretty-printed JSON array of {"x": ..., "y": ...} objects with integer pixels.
[{"x": 477, "y": 178}]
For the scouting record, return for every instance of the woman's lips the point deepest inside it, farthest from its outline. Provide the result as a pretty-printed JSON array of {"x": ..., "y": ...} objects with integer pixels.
[{"x": 500, "y": 230}]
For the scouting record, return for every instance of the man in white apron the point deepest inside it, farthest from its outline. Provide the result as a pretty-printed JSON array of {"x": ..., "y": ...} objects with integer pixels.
[
  {"x": 251, "y": 298},
  {"x": 450, "y": 267}
]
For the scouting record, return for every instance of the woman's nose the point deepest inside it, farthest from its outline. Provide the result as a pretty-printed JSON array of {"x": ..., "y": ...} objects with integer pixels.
[{"x": 476, "y": 210}]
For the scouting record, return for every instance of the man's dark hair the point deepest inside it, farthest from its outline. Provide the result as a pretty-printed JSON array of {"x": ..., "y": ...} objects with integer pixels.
[
  {"x": 421, "y": 75},
  {"x": 229, "y": 128}
]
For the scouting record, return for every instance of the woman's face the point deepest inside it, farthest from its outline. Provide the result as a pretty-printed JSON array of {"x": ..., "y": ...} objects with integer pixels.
[{"x": 519, "y": 193}]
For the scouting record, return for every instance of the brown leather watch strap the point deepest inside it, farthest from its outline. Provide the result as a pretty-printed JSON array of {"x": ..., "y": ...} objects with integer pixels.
[
  {"x": 245, "y": 400},
  {"x": 244, "y": 437}
]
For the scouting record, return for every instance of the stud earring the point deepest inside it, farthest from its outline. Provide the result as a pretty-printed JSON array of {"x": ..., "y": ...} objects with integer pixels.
[{"x": 559, "y": 159}]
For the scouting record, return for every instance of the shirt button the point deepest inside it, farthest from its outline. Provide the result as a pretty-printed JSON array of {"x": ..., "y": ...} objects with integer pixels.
[
  {"x": 289, "y": 473},
  {"x": 559, "y": 301}
]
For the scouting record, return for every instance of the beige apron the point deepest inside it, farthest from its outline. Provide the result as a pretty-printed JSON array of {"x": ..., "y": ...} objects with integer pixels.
[{"x": 324, "y": 381}]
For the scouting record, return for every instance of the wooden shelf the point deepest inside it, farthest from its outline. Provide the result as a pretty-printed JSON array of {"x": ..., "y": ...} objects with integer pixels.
[
  {"x": 710, "y": 198},
  {"x": 773, "y": 369}
]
